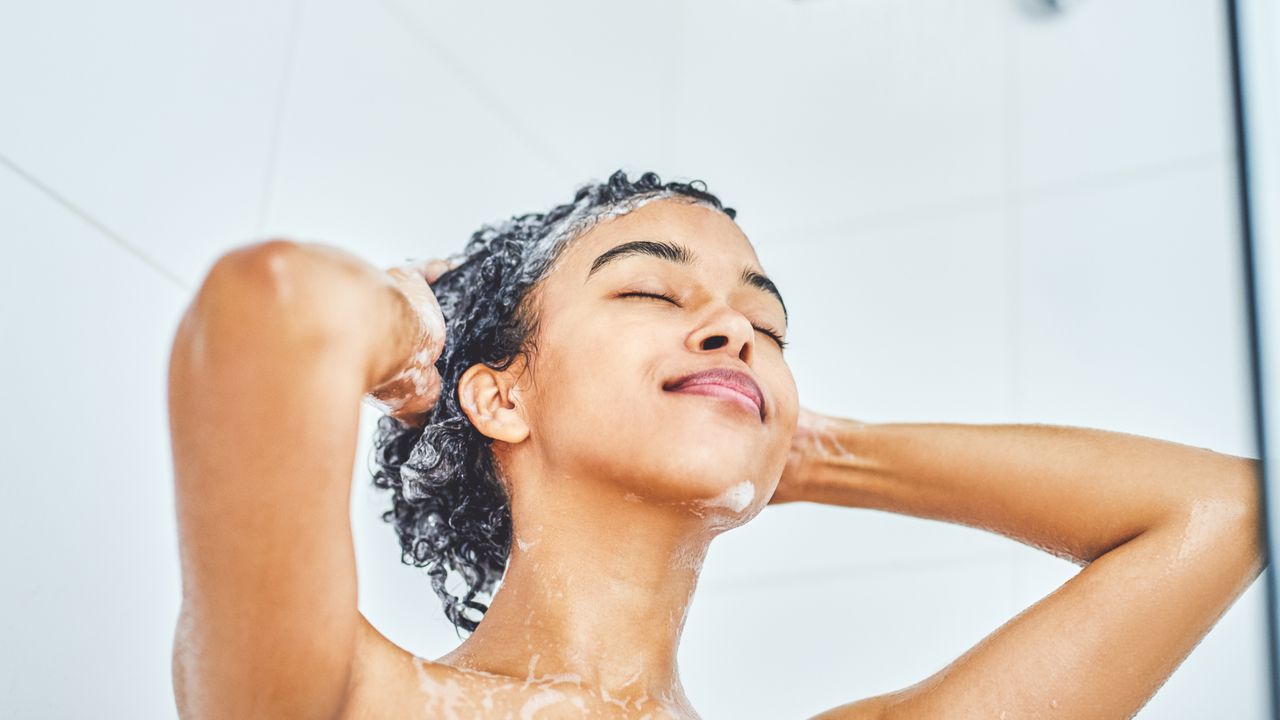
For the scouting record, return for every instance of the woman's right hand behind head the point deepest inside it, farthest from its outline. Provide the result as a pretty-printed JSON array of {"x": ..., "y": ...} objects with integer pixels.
[{"x": 410, "y": 392}]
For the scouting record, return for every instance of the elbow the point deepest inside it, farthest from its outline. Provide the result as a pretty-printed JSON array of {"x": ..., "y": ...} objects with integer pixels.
[
  {"x": 1227, "y": 526},
  {"x": 260, "y": 307},
  {"x": 266, "y": 269},
  {"x": 1226, "y": 501},
  {"x": 1238, "y": 498},
  {"x": 272, "y": 291}
]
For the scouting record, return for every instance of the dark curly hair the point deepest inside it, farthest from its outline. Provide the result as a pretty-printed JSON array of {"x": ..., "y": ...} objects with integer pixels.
[{"x": 449, "y": 506}]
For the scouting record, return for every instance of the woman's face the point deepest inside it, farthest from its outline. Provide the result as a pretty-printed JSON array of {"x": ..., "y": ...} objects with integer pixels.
[{"x": 598, "y": 400}]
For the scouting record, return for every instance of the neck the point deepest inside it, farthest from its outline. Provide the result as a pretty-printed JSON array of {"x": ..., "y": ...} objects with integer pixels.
[{"x": 596, "y": 592}]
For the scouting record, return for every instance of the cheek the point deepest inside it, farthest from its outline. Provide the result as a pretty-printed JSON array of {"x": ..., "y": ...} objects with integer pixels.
[
  {"x": 591, "y": 391},
  {"x": 785, "y": 395}
]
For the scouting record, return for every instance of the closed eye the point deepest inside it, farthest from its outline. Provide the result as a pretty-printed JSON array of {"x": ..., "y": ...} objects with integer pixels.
[
  {"x": 660, "y": 296},
  {"x": 775, "y": 335}
]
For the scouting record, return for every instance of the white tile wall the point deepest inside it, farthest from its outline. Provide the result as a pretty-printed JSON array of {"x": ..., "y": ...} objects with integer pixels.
[
  {"x": 1117, "y": 87},
  {"x": 155, "y": 117},
  {"x": 585, "y": 85},
  {"x": 87, "y": 523},
  {"x": 974, "y": 216},
  {"x": 820, "y": 112},
  {"x": 1127, "y": 291},
  {"x": 898, "y": 321},
  {"x": 379, "y": 143}
]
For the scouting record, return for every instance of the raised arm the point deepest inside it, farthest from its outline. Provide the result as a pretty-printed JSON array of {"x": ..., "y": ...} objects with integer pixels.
[
  {"x": 267, "y": 371},
  {"x": 1169, "y": 537}
]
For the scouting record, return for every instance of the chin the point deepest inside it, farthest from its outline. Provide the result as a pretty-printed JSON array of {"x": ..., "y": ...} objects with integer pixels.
[
  {"x": 719, "y": 467},
  {"x": 725, "y": 494}
]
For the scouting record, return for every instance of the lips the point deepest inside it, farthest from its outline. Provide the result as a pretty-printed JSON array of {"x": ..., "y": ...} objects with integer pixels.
[{"x": 734, "y": 380}]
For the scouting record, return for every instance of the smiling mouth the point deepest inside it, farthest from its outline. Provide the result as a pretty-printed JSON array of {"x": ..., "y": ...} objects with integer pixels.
[{"x": 722, "y": 392}]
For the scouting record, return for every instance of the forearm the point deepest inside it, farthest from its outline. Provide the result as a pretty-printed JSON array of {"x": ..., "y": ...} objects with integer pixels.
[{"x": 1074, "y": 492}]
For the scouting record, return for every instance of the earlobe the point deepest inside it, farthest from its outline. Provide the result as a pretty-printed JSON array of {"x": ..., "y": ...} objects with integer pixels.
[{"x": 485, "y": 395}]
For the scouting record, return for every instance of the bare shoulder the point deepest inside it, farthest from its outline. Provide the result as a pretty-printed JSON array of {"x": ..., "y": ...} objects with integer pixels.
[{"x": 389, "y": 681}]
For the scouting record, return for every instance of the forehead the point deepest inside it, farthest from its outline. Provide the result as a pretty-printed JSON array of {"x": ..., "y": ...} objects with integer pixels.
[{"x": 713, "y": 237}]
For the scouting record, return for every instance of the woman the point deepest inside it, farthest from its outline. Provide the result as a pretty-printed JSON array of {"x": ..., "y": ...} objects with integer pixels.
[{"x": 585, "y": 401}]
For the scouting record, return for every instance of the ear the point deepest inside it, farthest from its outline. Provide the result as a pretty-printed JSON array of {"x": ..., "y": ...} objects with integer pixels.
[{"x": 489, "y": 398}]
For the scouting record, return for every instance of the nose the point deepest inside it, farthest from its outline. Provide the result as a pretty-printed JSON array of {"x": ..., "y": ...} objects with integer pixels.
[{"x": 725, "y": 331}]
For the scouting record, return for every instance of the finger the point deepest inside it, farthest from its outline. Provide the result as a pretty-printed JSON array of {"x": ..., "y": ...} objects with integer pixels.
[
  {"x": 416, "y": 409},
  {"x": 436, "y": 268}
]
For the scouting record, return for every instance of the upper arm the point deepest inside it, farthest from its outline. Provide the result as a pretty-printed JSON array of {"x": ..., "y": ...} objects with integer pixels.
[
  {"x": 1103, "y": 643},
  {"x": 263, "y": 409}
]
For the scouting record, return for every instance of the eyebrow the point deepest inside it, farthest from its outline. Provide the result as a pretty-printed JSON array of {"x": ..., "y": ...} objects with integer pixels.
[{"x": 681, "y": 255}]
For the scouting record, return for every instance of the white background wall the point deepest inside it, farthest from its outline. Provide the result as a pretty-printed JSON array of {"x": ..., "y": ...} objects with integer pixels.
[{"x": 975, "y": 214}]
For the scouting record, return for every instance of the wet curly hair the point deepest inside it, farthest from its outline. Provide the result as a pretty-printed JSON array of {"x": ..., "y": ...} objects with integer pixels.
[{"x": 450, "y": 508}]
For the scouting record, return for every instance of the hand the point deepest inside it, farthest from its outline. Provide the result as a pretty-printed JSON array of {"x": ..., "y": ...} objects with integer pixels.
[
  {"x": 816, "y": 437},
  {"x": 411, "y": 392},
  {"x": 433, "y": 269}
]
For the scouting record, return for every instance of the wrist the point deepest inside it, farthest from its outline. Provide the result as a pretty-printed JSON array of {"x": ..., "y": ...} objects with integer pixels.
[
  {"x": 397, "y": 335},
  {"x": 838, "y": 461},
  {"x": 402, "y": 379}
]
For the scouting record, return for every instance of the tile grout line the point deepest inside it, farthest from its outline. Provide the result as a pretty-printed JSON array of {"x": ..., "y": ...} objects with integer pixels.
[
  {"x": 115, "y": 237},
  {"x": 277, "y": 119},
  {"x": 471, "y": 82}
]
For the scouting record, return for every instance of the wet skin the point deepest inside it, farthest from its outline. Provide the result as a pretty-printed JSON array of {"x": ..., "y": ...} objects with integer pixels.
[
  {"x": 617, "y": 482},
  {"x": 284, "y": 340}
]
